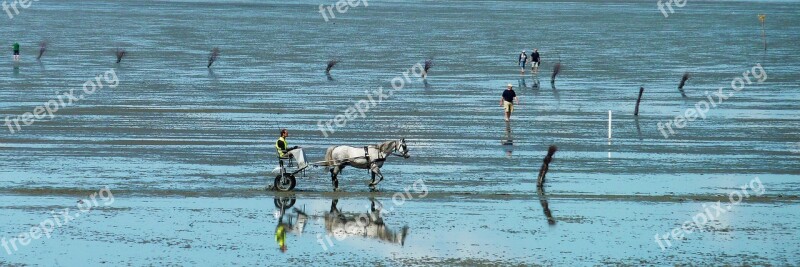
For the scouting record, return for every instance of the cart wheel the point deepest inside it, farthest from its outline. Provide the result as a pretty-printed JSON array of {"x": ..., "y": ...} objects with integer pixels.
[
  {"x": 285, "y": 184},
  {"x": 284, "y": 203}
]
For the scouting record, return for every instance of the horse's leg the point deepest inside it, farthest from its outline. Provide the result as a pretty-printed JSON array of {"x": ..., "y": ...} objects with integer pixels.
[
  {"x": 373, "y": 178},
  {"x": 334, "y": 177},
  {"x": 375, "y": 171}
]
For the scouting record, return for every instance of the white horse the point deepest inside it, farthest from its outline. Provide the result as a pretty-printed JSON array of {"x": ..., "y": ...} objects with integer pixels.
[{"x": 367, "y": 157}]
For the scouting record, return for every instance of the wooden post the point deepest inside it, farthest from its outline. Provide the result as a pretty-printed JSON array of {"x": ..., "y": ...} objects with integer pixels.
[
  {"x": 545, "y": 166},
  {"x": 761, "y": 18},
  {"x": 556, "y": 70},
  {"x": 331, "y": 63},
  {"x": 120, "y": 54},
  {"x": 683, "y": 82},
  {"x": 213, "y": 56},
  {"x": 42, "y": 48},
  {"x": 428, "y": 65},
  {"x": 636, "y": 111},
  {"x": 609, "y": 125}
]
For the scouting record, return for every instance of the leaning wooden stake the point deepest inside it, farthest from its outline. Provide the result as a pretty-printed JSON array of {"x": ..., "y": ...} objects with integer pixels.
[
  {"x": 556, "y": 70},
  {"x": 213, "y": 56},
  {"x": 683, "y": 82},
  {"x": 42, "y": 49},
  {"x": 428, "y": 65},
  {"x": 120, "y": 54},
  {"x": 545, "y": 165},
  {"x": 761, "y": 18},
  {"x": 636, "y": 111},
  {"x": 331, "y": 63}
]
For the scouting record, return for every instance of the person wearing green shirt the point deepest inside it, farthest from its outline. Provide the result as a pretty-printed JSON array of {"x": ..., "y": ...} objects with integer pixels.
[{"x": 16, "y": 51}]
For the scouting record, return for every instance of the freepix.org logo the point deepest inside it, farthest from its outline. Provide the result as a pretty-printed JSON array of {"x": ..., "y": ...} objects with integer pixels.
[
  {"x": 678, "y": 3},
  {"x": 341, "y": 7},
  {"x": 49, "y": 108},
  {"x": 8, "y": 8}
]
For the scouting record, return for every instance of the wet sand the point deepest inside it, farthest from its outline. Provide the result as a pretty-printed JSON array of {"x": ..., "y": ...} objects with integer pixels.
[
  {"x": 187, "y": 150},
  {"x": 456, "y": 230}
]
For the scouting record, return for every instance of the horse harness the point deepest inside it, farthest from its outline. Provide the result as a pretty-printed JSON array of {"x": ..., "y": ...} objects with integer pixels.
[{"x": 369, "y": 161}]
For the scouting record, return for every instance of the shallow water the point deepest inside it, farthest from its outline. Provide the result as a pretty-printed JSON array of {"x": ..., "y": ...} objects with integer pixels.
[{"x": 175, "y": 140}]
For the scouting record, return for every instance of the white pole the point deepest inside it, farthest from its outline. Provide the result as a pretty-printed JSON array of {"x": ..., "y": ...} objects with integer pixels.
[{"x": 609, "y": 125}]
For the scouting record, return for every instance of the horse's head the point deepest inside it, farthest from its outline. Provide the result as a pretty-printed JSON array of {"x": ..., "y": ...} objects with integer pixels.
[{"x": 402, "y": 148}]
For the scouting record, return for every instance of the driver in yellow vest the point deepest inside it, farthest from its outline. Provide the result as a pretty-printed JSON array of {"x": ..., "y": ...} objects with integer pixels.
[{"x": 283, "y": 147}]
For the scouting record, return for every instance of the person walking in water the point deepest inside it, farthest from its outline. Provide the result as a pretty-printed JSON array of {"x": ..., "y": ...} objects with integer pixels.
[
  {"x": 522, "y": 59},
  {"x": 16, "y": 51},
  {"x": 535, "y": 60},
  {"x": 508, "y": 100}
]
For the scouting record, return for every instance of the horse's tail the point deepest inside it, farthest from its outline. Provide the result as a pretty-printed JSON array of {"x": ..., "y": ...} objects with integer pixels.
[{"x": 329, "y": 162}]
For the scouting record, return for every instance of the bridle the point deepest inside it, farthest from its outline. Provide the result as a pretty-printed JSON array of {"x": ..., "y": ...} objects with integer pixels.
[{"x": 402, "y": 144}]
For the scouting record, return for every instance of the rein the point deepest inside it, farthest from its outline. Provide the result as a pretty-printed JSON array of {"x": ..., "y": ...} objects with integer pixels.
[{"x": 381, "y": 159}]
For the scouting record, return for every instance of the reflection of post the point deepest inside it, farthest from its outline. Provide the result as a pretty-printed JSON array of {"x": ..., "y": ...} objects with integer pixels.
[
  {"x": 638, "y": 129},
  {"x": 545, "y": 207},
  {"x": 545, "y": 166},
  {"x": 555, "y": 93}
]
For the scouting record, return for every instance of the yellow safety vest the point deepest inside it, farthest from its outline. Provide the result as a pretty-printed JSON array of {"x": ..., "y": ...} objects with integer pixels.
[{"x": 280, "y": 151}]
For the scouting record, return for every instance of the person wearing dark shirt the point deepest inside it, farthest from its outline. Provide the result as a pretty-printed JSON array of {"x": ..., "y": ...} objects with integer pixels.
[
  {"x": 535, "y": 60},
  {"x": 283, "y": 147},
  {"x": 508, "y": 100}
]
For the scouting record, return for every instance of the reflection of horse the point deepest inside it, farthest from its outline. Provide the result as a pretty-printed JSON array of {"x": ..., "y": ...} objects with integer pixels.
[
  {"x": 367, "y": 225},
  {"x": 367, "y": 157}
]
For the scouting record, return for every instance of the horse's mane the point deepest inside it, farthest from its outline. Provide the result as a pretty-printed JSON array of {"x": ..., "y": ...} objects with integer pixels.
[
  {"x": 329, "y": 157},
  {"x": 387, "y": 146}
]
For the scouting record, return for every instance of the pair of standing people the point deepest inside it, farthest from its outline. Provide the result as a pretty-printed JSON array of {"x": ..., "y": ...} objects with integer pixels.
[
  {"x": 533, "y": 59},
  {"x": 509, "y": 97}
]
